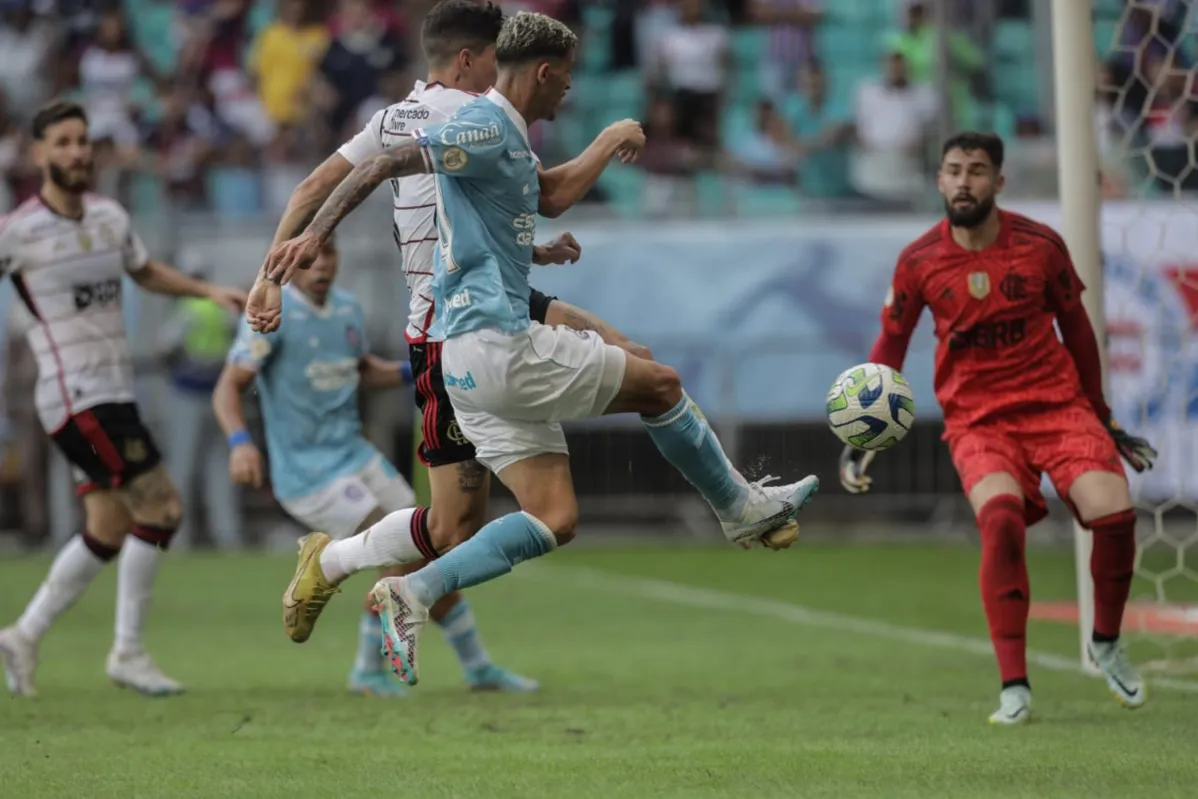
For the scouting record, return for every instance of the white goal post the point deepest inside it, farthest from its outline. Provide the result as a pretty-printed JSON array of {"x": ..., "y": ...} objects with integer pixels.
[{"x": 1078, "y": 170}]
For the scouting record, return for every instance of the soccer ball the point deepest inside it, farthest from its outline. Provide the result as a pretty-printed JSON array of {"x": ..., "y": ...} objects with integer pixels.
[{"x": 871, "y": 407}]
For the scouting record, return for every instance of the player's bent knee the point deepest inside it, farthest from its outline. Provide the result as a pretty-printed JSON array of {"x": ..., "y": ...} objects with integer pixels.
[
  {"x": 1098, "y": 494},
  {"x": 561, "y": 521},
  {"x": 991, "y": 486}
]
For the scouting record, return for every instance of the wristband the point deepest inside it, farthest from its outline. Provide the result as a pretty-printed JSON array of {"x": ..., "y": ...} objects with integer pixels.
[
  {"x": 405, "y": 372},
  {"x": 239, "y": 438}
]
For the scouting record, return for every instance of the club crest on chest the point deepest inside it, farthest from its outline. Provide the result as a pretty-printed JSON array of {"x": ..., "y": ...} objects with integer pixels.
[{"x": 979, "y": 285}]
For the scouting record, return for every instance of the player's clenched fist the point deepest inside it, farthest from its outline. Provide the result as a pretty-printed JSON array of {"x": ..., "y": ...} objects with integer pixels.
[
  {"x": 245, "y": 465},
  {"x": 853, "y": 464},
  {"x": 564, "y": 249},
  {"x": 629, "y": 139}
]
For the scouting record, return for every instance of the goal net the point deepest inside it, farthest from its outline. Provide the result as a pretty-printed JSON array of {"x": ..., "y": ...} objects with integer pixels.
[{"x": 1146, "y": 125}]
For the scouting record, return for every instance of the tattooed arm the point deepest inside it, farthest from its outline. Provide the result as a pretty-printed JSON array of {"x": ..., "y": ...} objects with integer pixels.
[
  {"x": 310, "y": 195},
  {"x": 563, "y": 313},
  {"x": 401, "y": 161}
]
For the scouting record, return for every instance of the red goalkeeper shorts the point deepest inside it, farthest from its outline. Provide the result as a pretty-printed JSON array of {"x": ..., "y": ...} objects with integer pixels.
[{"x": 1063, "y": 443}]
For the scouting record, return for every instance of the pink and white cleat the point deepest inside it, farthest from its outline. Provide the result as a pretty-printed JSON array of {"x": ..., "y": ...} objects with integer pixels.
[{"x": 403, "y": 617}]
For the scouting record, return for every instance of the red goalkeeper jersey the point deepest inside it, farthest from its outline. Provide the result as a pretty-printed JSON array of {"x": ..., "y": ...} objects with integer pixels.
[{"x": 997, "y": 350}]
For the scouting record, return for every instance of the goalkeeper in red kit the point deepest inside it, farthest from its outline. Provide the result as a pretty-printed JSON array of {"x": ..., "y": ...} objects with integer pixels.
[{"x": 1018, "y": 401}]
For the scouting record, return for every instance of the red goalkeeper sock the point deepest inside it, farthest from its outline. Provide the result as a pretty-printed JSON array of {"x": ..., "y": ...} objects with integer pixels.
[
  {"x": 1004, "y": 584},
  {"x": 1112, "y": 560}
]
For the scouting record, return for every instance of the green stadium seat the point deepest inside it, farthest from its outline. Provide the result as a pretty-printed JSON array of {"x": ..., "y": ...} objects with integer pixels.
[
  {"x": 748, "y": 46},
  {"x": 624, "y": 185},
  {"x": 1104, "y": 36},
  {"x": 849, "y": 43},
  {"x": 766, "y": 201},
  {"x": 711, "y": 193},
  {"x": 1013, "y": 40}
]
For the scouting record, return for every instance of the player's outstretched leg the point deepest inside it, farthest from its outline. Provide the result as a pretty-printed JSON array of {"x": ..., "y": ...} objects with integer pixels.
[
  {"x": 403, "y": 603},
  {"x": 399, "y": 538},
  {"x": 73, "y": 569},
  {"x": 1112, "y": 560},
  {"x": 749, "y": 512},
  {"x": 1003, "y": 581}
]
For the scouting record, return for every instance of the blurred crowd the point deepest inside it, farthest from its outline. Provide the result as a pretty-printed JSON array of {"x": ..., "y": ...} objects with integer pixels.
[{"x": 220, "y": 105}]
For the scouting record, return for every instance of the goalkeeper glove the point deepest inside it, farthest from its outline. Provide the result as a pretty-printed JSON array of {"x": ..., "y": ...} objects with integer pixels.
[
  {"x": 1138, "y": 453},
  {"x": 853, "y": 463}
]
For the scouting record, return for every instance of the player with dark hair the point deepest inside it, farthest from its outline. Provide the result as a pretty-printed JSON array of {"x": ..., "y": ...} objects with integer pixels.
[
  {"x": 1018, "y": 402},
  {"x": 67, "y": 252},
  {"x": 512, "y": 380},
  {"x": 458, "y": 37}
]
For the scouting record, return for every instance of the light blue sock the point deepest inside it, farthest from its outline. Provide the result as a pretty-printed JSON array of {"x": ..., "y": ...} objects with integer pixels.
[
  {"x": 491, "y": 553},
  {"x": 370, "y": 642},
  {"x": 686, "y": 440},
  {"x": 462, "y": 633}
]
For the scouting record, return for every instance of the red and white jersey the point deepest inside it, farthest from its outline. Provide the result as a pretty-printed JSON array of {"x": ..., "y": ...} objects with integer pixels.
[
  {"x": 68, "y": 273},
  {"x": 415, "y": 197}
]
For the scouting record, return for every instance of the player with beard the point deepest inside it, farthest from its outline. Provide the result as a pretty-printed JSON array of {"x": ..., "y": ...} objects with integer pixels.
[
  {"x": 1018, "y": 402},
  {"x": 67, "y": 251}
]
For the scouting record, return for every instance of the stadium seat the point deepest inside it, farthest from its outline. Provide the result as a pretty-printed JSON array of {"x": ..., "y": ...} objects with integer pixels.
[
  {"x": 850, "y": 43},
  {"x": 623, "y": 185},
  {"x": 1013, "y": 40},
  {"x": 1104, "y": 35},
  {"x": 711, "y": 194},
  {"x": 766, "y": 201},
  {"x": 748, "y": 46}
]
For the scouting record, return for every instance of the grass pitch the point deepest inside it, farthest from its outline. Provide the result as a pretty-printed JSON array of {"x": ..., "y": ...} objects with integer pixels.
[{"x": 666, "y": 673}]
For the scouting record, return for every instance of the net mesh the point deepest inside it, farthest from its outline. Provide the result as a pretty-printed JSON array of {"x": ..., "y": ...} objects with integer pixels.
[{"x": 1147, "y": 127}]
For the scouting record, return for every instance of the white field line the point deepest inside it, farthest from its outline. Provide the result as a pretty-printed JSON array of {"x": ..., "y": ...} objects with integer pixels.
[{"x": 708, "y": 599}]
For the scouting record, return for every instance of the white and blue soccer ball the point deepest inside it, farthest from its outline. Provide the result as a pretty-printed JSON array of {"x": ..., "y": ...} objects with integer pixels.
[{"x": 871, "y": 407}]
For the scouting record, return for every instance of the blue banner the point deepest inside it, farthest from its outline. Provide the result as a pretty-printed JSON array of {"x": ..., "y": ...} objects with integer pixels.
[{"x": 759, "y": 320}]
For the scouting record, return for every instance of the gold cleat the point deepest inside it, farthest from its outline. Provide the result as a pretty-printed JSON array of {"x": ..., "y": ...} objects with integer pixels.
[
  {"x": 309, "y": 590},
  {"x": 781, "y": 537}
]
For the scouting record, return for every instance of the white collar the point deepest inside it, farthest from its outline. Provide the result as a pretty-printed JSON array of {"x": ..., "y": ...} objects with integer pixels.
[{"x": 494, "y": 96}]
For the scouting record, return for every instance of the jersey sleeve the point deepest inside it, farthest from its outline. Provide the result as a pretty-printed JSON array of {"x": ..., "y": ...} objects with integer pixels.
[
  {"x": 1064, "y": 287},
  {"x": 904, "y": 301},
  {"x": 252, "y": 350},
  {"x": 8, "y": 256},
  {"x": 363, "y": 337},
  {"x": 133, "y": 251},
  {"x": 368, "y": 141},
  {"x": 468, "y": 145}
]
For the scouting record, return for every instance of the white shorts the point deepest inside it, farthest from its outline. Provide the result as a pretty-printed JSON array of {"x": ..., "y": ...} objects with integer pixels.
[
  {"x": 340, "y": 507},
  {"x": 510, "y": 393}
]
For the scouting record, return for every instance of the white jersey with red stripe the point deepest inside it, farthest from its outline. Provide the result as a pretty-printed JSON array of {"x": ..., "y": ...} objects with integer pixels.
[
  {"x": 67, "y": 273},
  {"x": 415, "y": 197}
]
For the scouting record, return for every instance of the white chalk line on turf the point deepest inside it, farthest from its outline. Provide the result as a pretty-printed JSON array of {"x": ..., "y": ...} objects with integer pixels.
[{"x": 710, "y": 599}]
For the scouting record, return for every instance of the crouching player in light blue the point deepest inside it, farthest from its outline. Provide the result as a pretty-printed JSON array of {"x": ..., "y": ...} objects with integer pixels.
[{"x": 322, "y": 470}]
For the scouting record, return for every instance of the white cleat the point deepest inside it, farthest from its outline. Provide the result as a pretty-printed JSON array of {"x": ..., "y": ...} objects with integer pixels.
[
  {"x": 403, "y": 618},
  {"x": 1014, "y": 707},
  {"x": 20, "y": 662},
  {"x": 1121, "y": 677},
  {"x": 768, "y": 516},
  {"x": 139, "y": 673}
]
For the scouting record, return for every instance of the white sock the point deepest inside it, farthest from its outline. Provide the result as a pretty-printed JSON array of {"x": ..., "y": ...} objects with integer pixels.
[
  {"x": 390, "y": 542},
  {"x": 135, "y": 586},
  {"x": 72, "y": 571}
]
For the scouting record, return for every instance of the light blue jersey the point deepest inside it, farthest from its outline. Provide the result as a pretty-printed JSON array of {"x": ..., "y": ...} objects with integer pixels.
[
  {"x": 487, "y": 197},
  {"x": 308, "y": 388}
]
